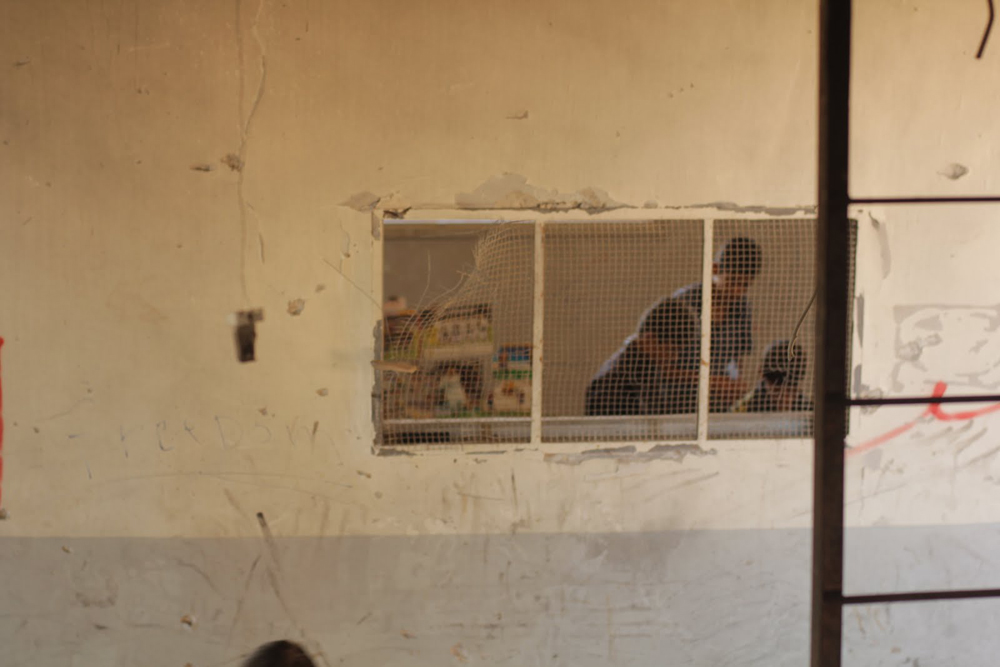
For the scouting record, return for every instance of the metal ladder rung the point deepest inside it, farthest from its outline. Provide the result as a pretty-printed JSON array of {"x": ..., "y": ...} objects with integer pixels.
[
  {"x": 989, "y": 199},
  {"x": 920, "y": 596},
  {"x": 924, "y": 400}
]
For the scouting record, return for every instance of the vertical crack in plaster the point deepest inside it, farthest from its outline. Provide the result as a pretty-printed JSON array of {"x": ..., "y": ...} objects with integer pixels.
[{"x": 245, "y": 125}]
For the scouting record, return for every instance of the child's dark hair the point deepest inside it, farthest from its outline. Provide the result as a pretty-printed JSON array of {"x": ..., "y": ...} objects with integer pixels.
[
  {"x": 740, "y": 255},
  {"x": 670, "y": 321},
  {"x": 279, "y": 654}
]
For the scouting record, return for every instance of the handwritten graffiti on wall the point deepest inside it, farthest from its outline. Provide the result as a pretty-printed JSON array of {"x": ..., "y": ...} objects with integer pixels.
[
  {"x": 933, "y": 412},
  {"x": 219, "y": 430},
  {"x": 938, "y": 347}
]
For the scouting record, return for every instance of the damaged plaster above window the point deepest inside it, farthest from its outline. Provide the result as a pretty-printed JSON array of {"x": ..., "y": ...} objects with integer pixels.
[
  {"x": 512, "y": 191},
  {"x": 362, "y": 201},
  {"x": 777, "y": 211}
]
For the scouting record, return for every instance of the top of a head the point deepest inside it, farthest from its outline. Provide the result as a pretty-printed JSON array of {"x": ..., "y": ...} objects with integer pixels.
[
  {"x": 279, "y": 654},
  {"x": 778, "y": 360},
  {"x": 740, "y": 255},
  {"x": 670, "y": 321}
]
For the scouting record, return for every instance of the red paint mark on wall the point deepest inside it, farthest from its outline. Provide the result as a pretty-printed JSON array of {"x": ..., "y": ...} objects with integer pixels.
[{"x": 935, "y": 411}]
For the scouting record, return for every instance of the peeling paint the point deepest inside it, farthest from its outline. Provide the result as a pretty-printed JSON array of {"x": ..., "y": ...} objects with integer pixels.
[
  {"x": 912, "y": 350},
  {"x": 392, "y": 451},
  {"x": 296, "y": 306},
  {"x": 397, "y": 213},
  {"x": 954, "y": 171},
  {"x": 677, "y": 452},
  {"x": 757, "y": 208},
  {"x": 629, "y": 454},
  {"x": 512, "y": 191},
  {"x": 233, "y": 161},
  {"x": 395, "y": 366},
  {"x": 362, "y": 201}
]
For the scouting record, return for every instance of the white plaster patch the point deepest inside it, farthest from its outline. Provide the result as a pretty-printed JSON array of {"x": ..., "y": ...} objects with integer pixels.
[{"x": 512, "y": 191}]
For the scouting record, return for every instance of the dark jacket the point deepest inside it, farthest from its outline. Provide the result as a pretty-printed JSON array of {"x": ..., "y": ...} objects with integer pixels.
[
  {"x": 732, "y": 339},
  {"x": 629, "y": 383}
]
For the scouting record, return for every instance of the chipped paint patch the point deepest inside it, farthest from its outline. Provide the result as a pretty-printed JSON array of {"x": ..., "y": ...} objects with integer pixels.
[
  {"x": 757, "y": 208},
  {"x": 296, "y": 306},
  {"x": 954, "y": 171},
  {"x": 392, "y": 451},
  {"x": 362, "y": 201},
  {"x": 629, "y": 454},
  {"x": 233, "y": 161},
  {"x": 512, "y": 191}
]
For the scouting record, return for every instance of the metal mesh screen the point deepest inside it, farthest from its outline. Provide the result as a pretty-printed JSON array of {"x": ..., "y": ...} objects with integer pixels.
[
  {"x": 456, "y": 367},
  {"x": 621, "y": 331},
  {"x": 763, "y": 327},
  {"x": 620, "y": 356}
]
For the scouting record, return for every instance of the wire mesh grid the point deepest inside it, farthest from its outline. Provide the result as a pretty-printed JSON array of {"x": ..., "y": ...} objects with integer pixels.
[
  {"x": 456, "y": 366},
  {"x": 620, "y": 355},
  {"x": 621, "y": 305},
  {"x": 763, "y": 327}
]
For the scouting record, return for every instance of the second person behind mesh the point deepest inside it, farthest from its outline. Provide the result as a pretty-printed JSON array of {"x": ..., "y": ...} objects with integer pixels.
[
  {"x": 735, "y": 268},
  {"x": 781, "y": 373},
  {"x": 652, "y": 372}
]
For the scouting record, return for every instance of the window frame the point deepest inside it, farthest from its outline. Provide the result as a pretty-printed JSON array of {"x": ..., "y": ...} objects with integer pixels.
[{"x": 703, "y": 438}]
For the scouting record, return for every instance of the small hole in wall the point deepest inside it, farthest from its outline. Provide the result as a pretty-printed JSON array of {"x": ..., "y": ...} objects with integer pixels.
[{"x": 245, "y": 333}]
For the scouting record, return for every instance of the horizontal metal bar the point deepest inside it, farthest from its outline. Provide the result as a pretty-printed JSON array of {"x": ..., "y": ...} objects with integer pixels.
[
  {"x": 925, "y": 400},
  {"x": 926, "y": 200},
  {"x": 921, "y": 596}
]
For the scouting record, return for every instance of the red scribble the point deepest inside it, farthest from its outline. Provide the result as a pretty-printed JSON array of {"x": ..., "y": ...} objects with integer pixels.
[
  {"x": 935, "y": 411},
  {"x": 1, "y": 436}
]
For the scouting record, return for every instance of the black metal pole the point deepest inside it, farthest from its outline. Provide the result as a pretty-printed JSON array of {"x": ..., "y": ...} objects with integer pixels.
[{"x": 832, "y": 257}]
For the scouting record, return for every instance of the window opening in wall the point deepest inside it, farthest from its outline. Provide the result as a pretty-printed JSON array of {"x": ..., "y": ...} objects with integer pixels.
[
  {"x": 459, "y": 310},
  {"x": 617, "y": 310}
]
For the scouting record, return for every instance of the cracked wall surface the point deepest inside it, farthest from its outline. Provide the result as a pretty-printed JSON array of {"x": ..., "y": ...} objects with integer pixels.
[{"x": 165, "y": 164}]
